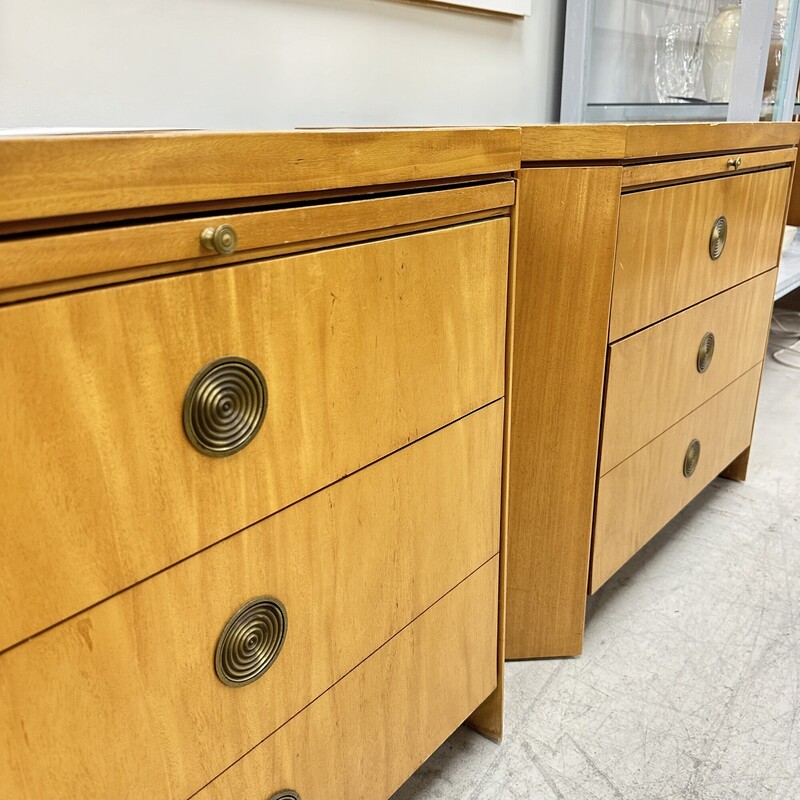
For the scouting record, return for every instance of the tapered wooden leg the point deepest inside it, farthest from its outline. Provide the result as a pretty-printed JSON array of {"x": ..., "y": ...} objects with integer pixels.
[
  {"x": 487, "y": 719},
  {"x": 737, "y": 469}
]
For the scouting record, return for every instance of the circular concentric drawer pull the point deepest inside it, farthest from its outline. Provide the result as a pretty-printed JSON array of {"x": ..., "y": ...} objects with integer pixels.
[
  {"x": 719, "y": 235},
  {"x": 225, "y": 406},
  {"x": 692, "y": 458},
  {"x": 285, "y": 795},
  {"x": 250, "y": 642},
  {"x": 705, "y": 352},
  {"x": 221, "y": 240}
]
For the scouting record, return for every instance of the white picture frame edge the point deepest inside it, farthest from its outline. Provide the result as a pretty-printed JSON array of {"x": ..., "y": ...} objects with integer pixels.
[{"x": 514, "y": 8}]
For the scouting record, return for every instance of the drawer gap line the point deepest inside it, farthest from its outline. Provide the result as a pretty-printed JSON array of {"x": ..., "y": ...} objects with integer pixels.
[
  {"x": 342, "y": 677},
  {"x": 249, "y": 526},
  {"x": 693, "y": 305}
]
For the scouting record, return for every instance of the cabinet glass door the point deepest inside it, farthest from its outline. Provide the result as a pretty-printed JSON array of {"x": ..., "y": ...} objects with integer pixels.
[{"x": 679, "y": 60}]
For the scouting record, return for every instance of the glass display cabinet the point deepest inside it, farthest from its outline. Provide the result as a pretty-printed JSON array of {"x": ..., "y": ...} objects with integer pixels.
[{"x": 680, "y": 60}]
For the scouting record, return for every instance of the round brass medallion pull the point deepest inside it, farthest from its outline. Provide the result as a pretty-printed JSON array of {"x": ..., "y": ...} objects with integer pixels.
[
  {"x": 719, "y": 235},
  {"x": 285, "y": 795},
  {"x": 692, "y": 458},
  {"x": 250, "y": 642},
  {"x": 705, "y": 352},
  {"x": 225, "y": 405},
  {"x": 222, "y": 239},
  {"x": 735, "y": 163}
]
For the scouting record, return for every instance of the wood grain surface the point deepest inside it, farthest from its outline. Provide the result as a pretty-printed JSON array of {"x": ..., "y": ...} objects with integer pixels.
[
  {"x": 618, "y": 142},
  {"x": 131, "y": 274},
  {"x": 793, "y": 217},
  {"x": 565, "y": 258},
  {"x": 26, "y": 261},
  {"x": 488, "y": 719},
  {"x": 653, "y": 380},
  {"x": 663, "y": 263},
  {"x": 637, "y": 498},
  {"x": 364, "y": 349},
  {"x": 639, "y": 175},
  {"x": 123, "y": 701},
  {"x": 365, "y": 736},
  {"x": 86, "y": 174}
]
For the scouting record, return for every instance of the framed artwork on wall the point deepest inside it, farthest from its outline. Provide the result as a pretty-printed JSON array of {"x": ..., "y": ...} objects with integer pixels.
[{"x": 513, "y": 8}]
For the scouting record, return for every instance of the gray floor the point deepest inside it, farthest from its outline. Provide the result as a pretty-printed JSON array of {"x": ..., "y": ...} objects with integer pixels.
[{"x": 689, "y": 685}]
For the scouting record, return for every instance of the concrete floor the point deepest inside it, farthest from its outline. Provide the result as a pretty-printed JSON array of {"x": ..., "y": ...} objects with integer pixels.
[{"x": 689, "y": 684}]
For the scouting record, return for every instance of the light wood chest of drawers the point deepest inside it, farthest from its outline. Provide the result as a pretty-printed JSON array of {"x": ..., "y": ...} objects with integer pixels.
[
  {"x": 253, "y": 423},
  {"x": 644, "y": 283}
]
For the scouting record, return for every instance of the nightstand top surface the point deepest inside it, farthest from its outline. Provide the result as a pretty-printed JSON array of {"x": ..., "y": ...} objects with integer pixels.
[
  {"x": 623, "y": 142},
  {"x": 57, "y": 175}
]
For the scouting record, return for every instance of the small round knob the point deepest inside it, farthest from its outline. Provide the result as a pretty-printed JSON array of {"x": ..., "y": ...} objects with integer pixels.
[
  {"x": 222, "y": 239},
  {"x": 286, "y": 794},
  {"x": 692, "y": 458},
  {"x": 719, "y": 235},
  {"x": 735, "y": 163},
  {"x": 705, "y": 352}
]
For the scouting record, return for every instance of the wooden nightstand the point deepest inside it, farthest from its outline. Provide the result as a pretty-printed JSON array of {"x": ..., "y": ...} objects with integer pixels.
[
  {"x": 644, "y": 283},
  {"x": 253, "y": 430}
]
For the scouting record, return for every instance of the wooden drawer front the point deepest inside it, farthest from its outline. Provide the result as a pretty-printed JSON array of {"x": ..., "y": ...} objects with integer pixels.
[
  {"x": 663, "y": 263},
  {"x": 126, "y": 694},
  {"x": 637, "y": 498},
  {"x": 31, "y": 265},
  {"x": 654, "y": 376},
  {"x": 365, "y": 736},
  {"x": 663, "y": 172},
  {"x": 363, "y": 349}
]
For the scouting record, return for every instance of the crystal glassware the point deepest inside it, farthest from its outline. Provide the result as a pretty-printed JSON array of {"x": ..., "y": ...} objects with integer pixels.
[{"x": 678, "y": 60}]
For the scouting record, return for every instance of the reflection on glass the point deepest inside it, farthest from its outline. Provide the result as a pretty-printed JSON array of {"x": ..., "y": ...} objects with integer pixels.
[
  {"x": 643, "y": 59},
  {"x": 786, "y": 87},
  {"x": 623, "y": 47},
  {"x": 720, "y": 53},
  {"x": 679, "y": 54},
  {"x": 774, "y": 57}
]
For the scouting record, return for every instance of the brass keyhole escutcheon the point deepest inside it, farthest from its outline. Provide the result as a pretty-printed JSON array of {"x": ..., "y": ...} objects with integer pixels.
[
  {"x": 692, "y": 458},
  {"x": 285, "y": 795},
  {"x": 719, "y": 235},
  {"x": 221, "y": 240},
  {"x": 225, "y": 406},
  {"x": 705, "y": 352},
  {"x": 250, "y": 641}
]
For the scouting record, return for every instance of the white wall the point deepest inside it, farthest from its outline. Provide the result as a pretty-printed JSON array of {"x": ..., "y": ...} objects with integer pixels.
[{"x": 249, "y": 64}]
